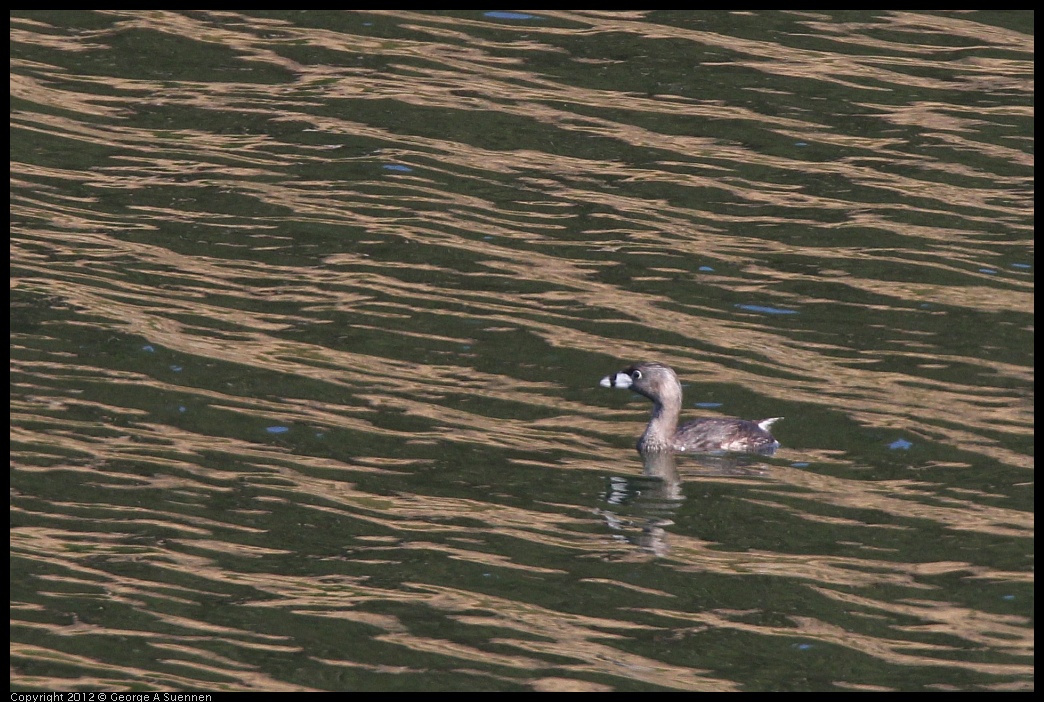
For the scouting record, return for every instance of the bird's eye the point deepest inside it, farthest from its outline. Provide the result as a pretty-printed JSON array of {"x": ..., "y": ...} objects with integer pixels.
[{"x": 636, "y": 374}]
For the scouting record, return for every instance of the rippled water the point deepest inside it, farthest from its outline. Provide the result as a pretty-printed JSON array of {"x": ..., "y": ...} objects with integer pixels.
[{"x": 309, "y": 311}]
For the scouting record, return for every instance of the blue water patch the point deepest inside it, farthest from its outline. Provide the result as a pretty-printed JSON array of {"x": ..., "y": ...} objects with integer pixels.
[
  {"x": 707, "y": 405},
  {"x": 499, "y": 14},
  {"x": 988, "y": 270},
  {"x": 800, "y": 464},
  {"x": 1023, "y": 266},
  {"x": 766, "y": 310},
  {"x": 176, "y": 369},
  {"x": 901, "y": 444},
  {"x": 277, "y": 430},
  {"x": 706, "y": 269},
  {"x": 148, "y": 349},
  {"x": 397, "y": 168}
]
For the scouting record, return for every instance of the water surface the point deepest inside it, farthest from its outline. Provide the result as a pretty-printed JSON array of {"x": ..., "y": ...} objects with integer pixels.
[{"x": 309, "y": 311}]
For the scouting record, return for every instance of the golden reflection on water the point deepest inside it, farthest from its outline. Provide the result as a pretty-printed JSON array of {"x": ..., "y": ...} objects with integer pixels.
[{"x": 308, "y": 320}]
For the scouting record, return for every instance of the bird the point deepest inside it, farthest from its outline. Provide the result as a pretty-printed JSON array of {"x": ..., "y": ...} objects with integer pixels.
[{"x": 660, "y": 384}]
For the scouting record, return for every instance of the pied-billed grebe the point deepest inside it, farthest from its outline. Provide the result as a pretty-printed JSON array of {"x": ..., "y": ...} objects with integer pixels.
[{"x": 660, "y": 384}]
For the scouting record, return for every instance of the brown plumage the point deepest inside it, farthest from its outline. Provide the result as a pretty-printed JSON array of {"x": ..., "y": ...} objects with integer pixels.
[{"x": 660, "y": 384}]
